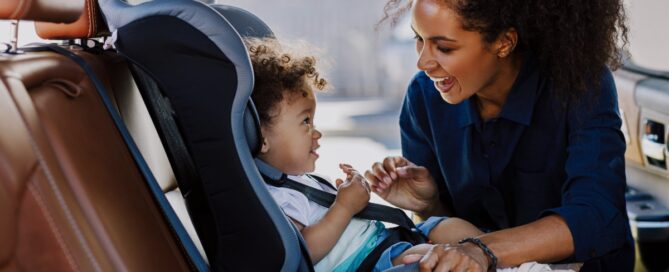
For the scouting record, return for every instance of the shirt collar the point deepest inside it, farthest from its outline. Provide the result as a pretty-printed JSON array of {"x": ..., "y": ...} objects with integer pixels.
[
  {"x": 470, "y": 115},
  {"x": 520, "y": 102}
]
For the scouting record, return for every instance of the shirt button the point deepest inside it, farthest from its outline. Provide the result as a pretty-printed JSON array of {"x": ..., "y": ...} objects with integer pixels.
[
  {"x": 485, "y": 155},
  {"x": 493, "y": 144}
]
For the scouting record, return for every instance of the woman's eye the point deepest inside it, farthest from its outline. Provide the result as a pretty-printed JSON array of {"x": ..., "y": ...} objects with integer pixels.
[
  {"x": 306, "y": 121},
  {"x": 416, "y": 37},
  {"x": 444, "y": 49}
]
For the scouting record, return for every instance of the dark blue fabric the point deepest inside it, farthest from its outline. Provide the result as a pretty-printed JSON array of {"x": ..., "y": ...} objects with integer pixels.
[{"x": 539, "y": 157}]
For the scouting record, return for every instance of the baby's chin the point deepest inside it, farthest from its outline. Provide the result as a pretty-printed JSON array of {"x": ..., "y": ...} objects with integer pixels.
[{"x": 299, "y": 172}]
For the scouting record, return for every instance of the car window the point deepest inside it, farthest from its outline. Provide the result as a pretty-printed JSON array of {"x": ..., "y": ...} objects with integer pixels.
[{"x": 648, "y": 39}]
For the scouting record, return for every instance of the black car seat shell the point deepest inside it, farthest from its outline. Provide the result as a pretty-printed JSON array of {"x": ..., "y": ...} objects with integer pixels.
[{"x": 206, "y": 74}]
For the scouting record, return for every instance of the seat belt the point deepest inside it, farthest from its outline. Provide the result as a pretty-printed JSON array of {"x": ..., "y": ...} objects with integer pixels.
[{"x": 196, "y": 259}]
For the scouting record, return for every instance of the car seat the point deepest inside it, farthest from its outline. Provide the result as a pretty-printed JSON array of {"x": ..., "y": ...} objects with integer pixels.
[{"x": 194, "y": 72}]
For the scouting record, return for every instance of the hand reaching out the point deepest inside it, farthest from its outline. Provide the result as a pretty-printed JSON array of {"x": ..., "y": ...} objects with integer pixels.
[
  {"x": 404, "y": 184},
  {"x": 353, "y": 193}
]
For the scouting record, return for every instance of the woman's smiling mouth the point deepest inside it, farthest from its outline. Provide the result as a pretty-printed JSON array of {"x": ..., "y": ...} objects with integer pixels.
[{"x": 443, "y": 84}]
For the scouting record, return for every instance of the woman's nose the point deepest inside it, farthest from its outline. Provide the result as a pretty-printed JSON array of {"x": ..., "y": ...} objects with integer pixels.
[{"x": 426, "y": 61}]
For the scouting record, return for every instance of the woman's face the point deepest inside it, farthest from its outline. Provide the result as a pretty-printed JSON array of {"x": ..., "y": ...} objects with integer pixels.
[{"x": 458, "y": 61}]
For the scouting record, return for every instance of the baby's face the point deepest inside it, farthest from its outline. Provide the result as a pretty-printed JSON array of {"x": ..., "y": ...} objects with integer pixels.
[{"x": 291, "y": 141}]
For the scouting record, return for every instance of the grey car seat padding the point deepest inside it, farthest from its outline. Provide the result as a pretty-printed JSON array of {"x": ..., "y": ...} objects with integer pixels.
[{"x": 200, "y": 64}]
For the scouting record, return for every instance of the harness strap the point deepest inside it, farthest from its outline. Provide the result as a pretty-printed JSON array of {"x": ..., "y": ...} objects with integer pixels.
[
  {"x": 405, "y": 231},
  {"x": 371, "y": 212}
]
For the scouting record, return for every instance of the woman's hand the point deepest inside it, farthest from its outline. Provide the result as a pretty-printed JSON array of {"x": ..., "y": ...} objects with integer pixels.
[
  {"x": 353, "y": 193},
  {"x": 405, "y": 185},
  {"x": 444, "y": 257}
]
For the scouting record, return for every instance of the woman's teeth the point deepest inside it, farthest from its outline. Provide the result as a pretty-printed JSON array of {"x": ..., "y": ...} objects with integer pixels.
[
  {"x": 443, "y": 84},
  {"x": 440, "y": 79}
]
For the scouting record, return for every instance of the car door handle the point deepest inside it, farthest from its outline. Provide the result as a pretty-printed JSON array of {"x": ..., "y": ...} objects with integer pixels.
[{"x": 653, "y": 150}]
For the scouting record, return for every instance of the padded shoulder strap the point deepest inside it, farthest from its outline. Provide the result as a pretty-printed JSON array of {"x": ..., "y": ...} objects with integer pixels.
[
  {"x": 322, "y": 181},
  {"x": 373, "y": 211}
]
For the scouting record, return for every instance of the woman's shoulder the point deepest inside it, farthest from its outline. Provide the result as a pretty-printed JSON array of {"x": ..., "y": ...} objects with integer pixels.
[
  {"x": 600, "y": 95},
  {"x": 421, "y": 90},
  {"x": 419, "y": 83},
  {"x": 421, "y": 93}
]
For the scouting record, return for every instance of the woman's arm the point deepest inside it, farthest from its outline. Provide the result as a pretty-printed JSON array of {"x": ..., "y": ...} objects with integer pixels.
[
  {"x": 418, "y": 143},
  {"x": 546, "y": 240},
  {"x": 414, "y": 181},
  {"x": 593, "y": 197}
]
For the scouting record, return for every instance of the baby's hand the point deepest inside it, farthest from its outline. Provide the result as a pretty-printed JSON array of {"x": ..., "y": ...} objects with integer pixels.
[{"x": 353, "y": 194}]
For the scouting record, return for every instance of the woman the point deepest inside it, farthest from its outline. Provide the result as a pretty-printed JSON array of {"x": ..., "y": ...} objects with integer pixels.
[{"x": 527, "y": 145}]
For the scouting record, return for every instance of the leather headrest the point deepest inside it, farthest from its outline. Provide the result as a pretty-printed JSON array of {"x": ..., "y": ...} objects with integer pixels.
[
  {"x": 58, "y": 11},
  {"x": 90, "y": 24}
]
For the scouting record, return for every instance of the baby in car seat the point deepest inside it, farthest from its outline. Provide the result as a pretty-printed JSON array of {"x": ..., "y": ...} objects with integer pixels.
[{"x": 285, "y": 82}]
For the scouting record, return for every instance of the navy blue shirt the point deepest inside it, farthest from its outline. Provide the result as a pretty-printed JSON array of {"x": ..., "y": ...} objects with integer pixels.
[{"x": 538, "y": 157}]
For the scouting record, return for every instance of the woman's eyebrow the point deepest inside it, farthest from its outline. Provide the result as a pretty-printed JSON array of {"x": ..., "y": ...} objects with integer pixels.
[{"x": 434, "y": 38}]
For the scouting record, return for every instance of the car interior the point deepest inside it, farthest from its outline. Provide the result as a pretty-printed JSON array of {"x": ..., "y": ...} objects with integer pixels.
[
  {"x": 109, "y": 160},
  {"x": 85, "y": 176}
]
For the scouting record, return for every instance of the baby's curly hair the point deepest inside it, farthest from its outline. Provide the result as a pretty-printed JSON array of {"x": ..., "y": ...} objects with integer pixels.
[
  {"x": 281, "y": 71},
  {"x": 572, "y": 40}
]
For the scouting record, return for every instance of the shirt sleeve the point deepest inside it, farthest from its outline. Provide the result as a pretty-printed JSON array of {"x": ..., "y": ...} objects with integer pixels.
[
  {"x": 294, "y": 204},
  {"x": 593, "y": 197},
  {"x": 416, "y": 138}
]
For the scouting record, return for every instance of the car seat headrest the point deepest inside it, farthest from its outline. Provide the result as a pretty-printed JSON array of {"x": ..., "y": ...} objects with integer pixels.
[
  {"x": 89, "y": 25},
  {"x": 57, "y": 11},
  {"x": 248, "y": 25}
]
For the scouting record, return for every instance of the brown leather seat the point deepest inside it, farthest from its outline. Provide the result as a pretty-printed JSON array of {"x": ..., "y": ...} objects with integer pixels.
[{"x": 71, "y": 196}]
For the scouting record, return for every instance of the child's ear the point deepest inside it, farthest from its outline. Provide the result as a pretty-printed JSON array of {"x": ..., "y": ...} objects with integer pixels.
[{"x": 265, "y": 146}]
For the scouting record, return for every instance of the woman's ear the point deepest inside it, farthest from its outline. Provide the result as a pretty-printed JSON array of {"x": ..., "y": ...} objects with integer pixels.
[{"x": 506, "y": 42}]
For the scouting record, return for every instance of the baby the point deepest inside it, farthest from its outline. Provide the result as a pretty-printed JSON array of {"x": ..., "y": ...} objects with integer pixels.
[{"x": 285, "y": 82}]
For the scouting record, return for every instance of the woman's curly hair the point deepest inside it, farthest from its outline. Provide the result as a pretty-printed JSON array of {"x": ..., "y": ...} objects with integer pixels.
[
  {"x": 281, "y": 71},
  {"x": 572, "y": 40}
]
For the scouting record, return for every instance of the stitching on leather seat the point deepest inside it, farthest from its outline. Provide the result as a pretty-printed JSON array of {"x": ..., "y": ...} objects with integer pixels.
[
  {"x": 91, "y": 17},
  {"x": 52, "y": 224},
  {"x": 56, "y": 190}
]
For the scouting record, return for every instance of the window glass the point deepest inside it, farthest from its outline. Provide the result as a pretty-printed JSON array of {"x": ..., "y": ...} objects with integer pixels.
[{"x": 649, "y": 39}]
